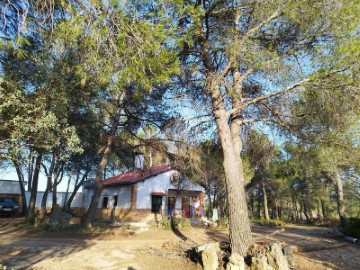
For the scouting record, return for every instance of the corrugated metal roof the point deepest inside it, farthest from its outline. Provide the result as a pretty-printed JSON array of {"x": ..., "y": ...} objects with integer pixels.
[{"x": 135, "y": 176}]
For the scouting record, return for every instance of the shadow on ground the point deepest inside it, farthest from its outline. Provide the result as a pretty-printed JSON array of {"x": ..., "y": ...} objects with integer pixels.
[{"x": 23, "y": 248}]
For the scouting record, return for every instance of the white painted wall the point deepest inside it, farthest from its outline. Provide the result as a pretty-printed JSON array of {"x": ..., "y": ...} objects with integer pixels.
[
  {"x": 9, "y": 187},
  {"x": 123, "y": 193},
  {"x": 161, "y": 183},
  {"x": 77, "y": 202}
]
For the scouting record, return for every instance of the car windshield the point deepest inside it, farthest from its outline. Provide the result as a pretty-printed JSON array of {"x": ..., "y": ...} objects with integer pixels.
[{"x": 6, "y": 200}]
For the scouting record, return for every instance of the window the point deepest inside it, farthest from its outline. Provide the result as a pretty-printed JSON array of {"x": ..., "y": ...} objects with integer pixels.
[
  {"x": 105, "y": 202},
  {"x": 115, "y": 201}
]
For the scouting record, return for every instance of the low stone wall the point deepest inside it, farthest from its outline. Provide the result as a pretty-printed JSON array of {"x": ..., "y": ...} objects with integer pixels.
[{"x": 143, "y": 215}]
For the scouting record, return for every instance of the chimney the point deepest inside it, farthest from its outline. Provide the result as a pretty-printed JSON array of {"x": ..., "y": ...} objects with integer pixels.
[{"x": 139, "y": 161}]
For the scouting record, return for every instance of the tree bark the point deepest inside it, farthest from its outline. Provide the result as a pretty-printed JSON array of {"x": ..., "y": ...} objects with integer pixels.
[
  {"x": 323, "y": 208},
  {"x": 73, "y": 194},
  {"x": 68, "y": 187},
  {"x": 49, "y": 176},
  {"x": 339, "y": 197},
  {"x": 58, "y": 178},
  {"x": 240, "y": 233},
  {"x": 305, "y": 208},
  {"x": 265, "y": 204},
  {"x": 31, "y": 170},
  {"x": 22, "y": 187},
  {"x": 31, "y": 212},
  {"x": 259, "y": 202},
  {"x": 87, "y": 219}
]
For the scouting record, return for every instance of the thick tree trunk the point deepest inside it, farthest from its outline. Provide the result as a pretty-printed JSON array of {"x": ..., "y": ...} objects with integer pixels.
[
  {"x": 340, "y": 197},
  {"x": 31, "y": 212},
  {"x": 265, "y": 204},
  {"x": 240, "y": 233},
  {"x": 22, "y": 187}
]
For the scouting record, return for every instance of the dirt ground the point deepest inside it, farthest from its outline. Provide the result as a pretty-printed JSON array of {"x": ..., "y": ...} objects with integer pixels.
[{"x": 157, "y": 248}]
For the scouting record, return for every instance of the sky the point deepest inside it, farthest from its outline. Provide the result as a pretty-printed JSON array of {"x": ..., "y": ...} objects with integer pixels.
[{"x": 9, "y": 173}]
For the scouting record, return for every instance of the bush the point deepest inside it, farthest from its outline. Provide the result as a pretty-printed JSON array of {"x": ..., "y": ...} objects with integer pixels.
[
  {"x": 176, "y": 223},
  {"x": 3, "y": 267},
  {"x": 273, "y": 222},
  {"x": 353, "y": 227}
]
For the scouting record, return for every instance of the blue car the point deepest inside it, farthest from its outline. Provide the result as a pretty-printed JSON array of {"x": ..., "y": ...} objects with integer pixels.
[{"x": 8, "y": 206}]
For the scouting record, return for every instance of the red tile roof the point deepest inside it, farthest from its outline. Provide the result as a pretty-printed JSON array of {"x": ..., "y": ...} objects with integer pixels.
[{"x": 135, "y": 176}]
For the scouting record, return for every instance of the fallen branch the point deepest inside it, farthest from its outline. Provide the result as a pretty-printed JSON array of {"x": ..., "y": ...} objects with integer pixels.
[
  {"x": 270, "y": 234},
  {"x": 310, "y": 248}
]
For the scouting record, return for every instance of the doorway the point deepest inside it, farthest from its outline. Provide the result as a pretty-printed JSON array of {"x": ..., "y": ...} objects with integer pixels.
[{"x": 186, "y": 207}]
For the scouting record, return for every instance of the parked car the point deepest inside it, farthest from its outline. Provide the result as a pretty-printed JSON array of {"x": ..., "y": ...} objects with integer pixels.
[{"x": 8, "y": 206}]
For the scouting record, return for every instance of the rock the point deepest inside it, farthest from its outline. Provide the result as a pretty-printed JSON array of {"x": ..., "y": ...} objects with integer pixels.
[
  {"x": 277, "y": 258},
  {"x": 58, "y": 218},
  {"x": 289, "y": 254},
  {"x": 236, "y": 262},
  {"x": 209, "y": 259},
  {"x": 269, "y": 258},
  {"x": 259, "y": 262}
]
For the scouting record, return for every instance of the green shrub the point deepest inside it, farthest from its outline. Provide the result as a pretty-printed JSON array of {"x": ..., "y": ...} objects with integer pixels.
[
  {"x": 263, "y": 221},
  {"x": 3, "y": 267},
  {"x": 353, "y": 227},
  {"x": 177, "y": 223},
  {"x": 224, "y": 223}
]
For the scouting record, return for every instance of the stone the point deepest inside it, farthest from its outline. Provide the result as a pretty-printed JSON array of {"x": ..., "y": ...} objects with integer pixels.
[
  {"x": 236, "y": 262},
  {"x": 277, "y": 258},
  {"x": 209, "y": 259},
  {"x": 269, "y": 258},
  {"x": 58, "y": 218},
  {"x": 289, "y": 254}
]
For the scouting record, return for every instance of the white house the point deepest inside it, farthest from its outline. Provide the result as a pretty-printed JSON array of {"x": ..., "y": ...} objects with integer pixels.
[{"x": 147, "y": 194}]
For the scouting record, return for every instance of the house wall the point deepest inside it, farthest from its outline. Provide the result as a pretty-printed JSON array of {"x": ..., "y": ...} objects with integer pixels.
[
  {"x": 76, "y": 203},
  {"x": 158, "y": 184},
  {"x": 9, "y": 187},
  {"x": 123, "y": 193},
  {"x": 134, "y": 201},
  {"x": 161, "y": 184}
]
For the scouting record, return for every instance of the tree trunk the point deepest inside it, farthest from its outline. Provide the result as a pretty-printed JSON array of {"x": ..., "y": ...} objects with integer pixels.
[
  {"x": 30, "y": 170},
  {"x": 22, "y": 187},
  {"x": 264, "y": 195},
  {"x": 305, "y": 208},
  {"x": 73, "y": 194},
  {"x": 49, "y": 184},
  {"x": 323, "y": 208},
  {"x": 58, "y": 178},
  {"x": 240, "y": 233},
  {"x": 259, "y": 203},
  {"x": 31, "y": 212},
  {"x": 68, "y": 187},
  {"x": 340, "y": 197},
  {"x": 87, "y": 219},
  {"x": 252, "y": 204}
]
